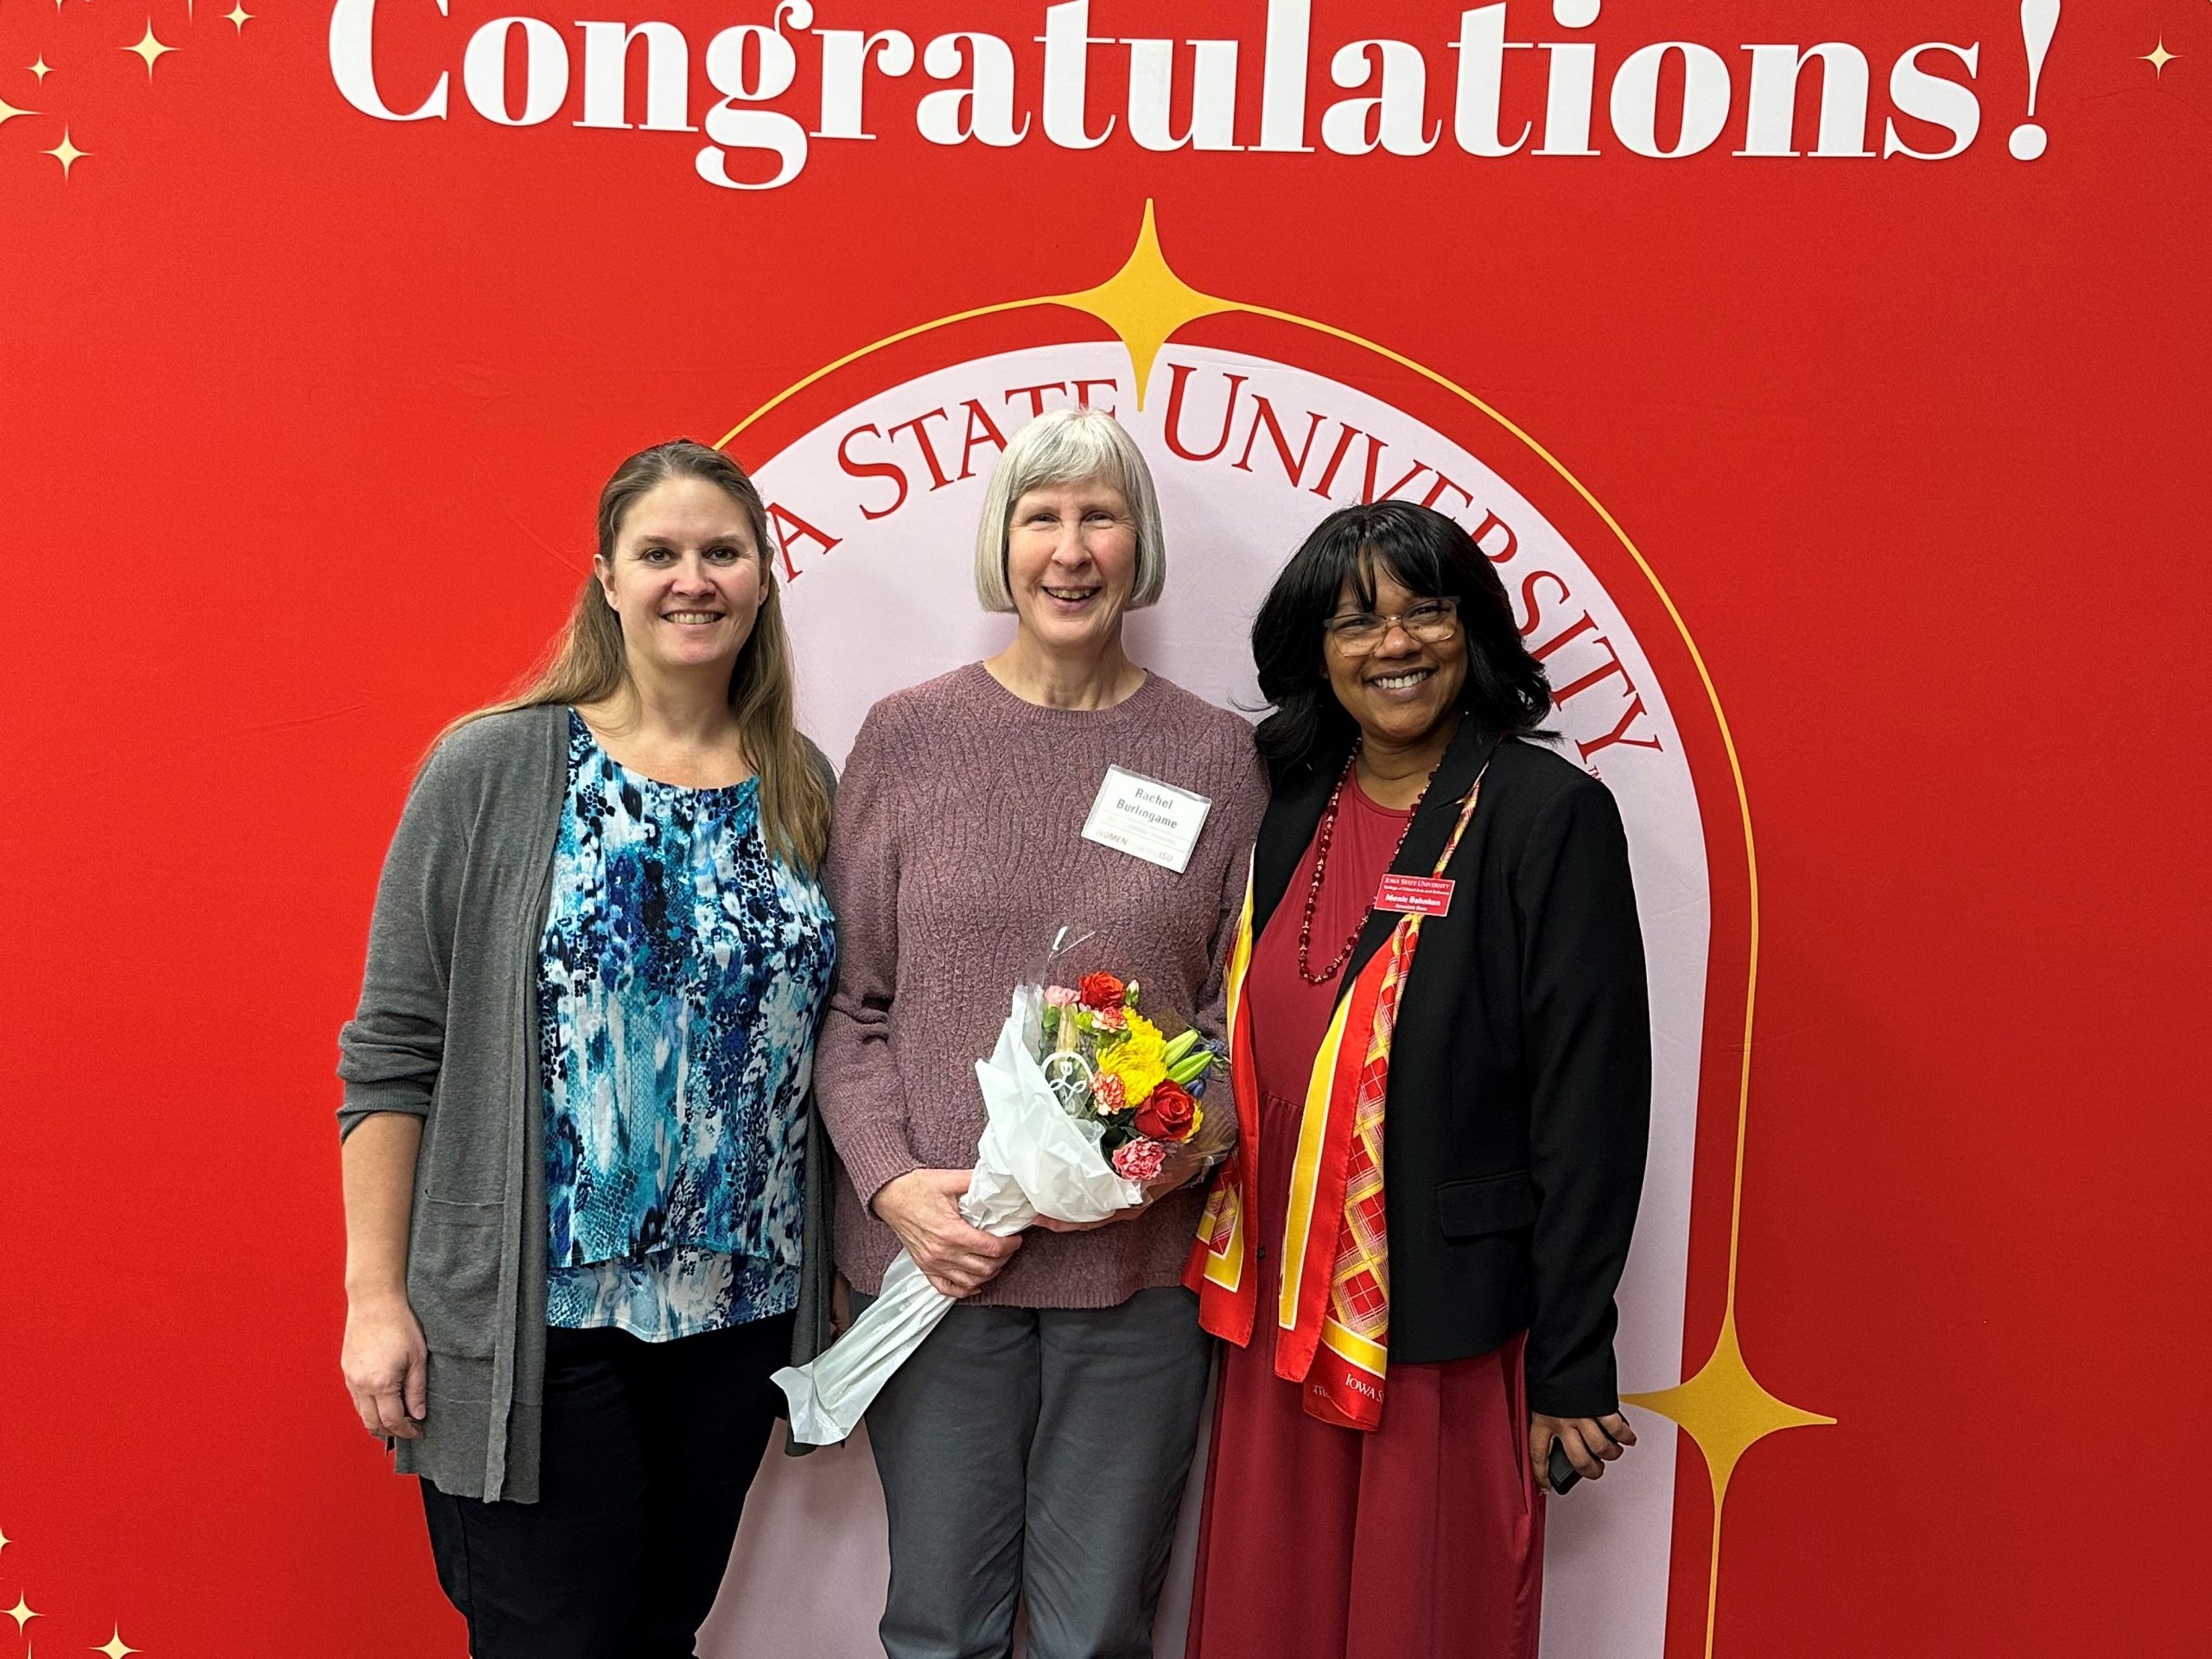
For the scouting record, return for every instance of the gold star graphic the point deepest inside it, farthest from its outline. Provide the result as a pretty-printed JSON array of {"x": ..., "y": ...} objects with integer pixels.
[
  {"x": 115, "y": 1647},
  {"x": 150, "y": 50},
  {"x": 1145, "y": 302},
  {"x": 68, "y": 155},
  {"x": 2158, "y": 57},
  {"x": 1724, "y": 1410},
  {"x": 42, "y": 68},
  {"x": 21, "y": 1613},
  {"x": 9, "y": 112},
  {"x": 240, "y": 16}
]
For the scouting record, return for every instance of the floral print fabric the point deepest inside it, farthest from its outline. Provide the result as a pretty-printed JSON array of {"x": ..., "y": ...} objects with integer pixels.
[{"x": 681, "y": 974}]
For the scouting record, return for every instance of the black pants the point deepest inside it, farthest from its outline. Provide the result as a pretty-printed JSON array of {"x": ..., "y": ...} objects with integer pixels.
[{"x": 648, "y": 1450}]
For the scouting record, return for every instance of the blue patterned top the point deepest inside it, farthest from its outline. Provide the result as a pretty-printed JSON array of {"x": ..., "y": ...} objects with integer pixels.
[{"x": 680, "y": 977}]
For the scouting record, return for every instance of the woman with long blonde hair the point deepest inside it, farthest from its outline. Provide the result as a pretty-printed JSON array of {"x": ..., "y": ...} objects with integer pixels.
[{"x": 582, "y": 1161}]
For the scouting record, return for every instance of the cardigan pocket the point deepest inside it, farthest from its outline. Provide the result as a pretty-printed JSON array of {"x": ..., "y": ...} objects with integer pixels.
[
  {"x": 1489, "y": 1204},
  {"x": 453, "y": 1277}
]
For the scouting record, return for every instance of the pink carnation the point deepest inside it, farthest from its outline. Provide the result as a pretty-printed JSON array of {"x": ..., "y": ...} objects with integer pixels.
[
  {"x": 1059, "y": 996},
  {"x": 1110, "y": 1019},
  {"x": 1110, "y": 1094},
  {"x": 1141, "y": 1160}
]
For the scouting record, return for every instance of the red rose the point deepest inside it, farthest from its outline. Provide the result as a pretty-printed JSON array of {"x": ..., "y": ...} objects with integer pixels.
[
  {"x": 1167, "y": 1113},
  {"x": 1100, "y": 991}
]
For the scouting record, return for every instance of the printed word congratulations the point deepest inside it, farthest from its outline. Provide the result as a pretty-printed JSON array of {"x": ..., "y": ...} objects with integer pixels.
[{"x": 1077, "y": 90}]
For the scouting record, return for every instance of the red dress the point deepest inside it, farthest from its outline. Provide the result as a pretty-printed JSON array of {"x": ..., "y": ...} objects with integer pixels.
[{"x": 1424, "y": 1539}]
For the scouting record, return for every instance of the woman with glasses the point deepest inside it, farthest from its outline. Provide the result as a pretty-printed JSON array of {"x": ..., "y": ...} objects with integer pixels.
[{"x": 1441, "y": 1060}]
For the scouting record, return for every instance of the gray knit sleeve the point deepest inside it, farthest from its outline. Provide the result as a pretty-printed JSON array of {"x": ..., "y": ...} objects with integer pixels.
[{"x": 390, "y": 1052}]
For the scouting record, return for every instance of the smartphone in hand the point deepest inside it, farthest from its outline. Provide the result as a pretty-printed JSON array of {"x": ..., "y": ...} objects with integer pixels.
[
  {"x": 1559, "y": 1468},
  {"x": 1559, "y": 1471}
]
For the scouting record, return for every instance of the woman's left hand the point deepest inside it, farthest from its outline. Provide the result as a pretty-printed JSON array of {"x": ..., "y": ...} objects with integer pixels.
[
  {"x": 1590, "y": 1442},
  {"x": 1177, "y": 1171}
]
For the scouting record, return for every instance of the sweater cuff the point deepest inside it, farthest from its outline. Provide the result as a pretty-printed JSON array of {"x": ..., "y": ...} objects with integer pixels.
[
  {"x": 874, "y": 1155},
  {"x": 364, "y": 1100}
]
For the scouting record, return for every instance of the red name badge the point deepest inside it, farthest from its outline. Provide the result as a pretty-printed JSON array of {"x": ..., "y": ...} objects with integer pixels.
[{"x": 1425, "y": 895}]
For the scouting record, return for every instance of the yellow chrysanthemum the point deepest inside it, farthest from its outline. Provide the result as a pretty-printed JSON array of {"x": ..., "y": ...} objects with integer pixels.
[{"x": 1139, "y": 1058}]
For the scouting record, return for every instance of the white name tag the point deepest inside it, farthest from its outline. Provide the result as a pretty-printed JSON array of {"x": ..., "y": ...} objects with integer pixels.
[{"x": 1147, "y": 819}]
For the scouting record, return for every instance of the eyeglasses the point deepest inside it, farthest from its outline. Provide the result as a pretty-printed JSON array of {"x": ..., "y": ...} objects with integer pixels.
[{"x": 1358, "y": 633}]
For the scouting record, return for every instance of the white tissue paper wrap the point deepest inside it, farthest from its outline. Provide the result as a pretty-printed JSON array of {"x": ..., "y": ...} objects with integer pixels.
[{"x": 1033, "y": 1160}]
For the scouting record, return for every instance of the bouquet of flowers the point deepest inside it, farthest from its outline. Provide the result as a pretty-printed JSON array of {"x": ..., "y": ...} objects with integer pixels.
[
  {"x": 1086, "y": 1102},
  {"x": 1107, "y": 1064}
]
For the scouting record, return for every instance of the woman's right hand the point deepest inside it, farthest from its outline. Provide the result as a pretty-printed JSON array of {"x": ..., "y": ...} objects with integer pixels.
[
  {"x": 923, "y": 1207},
  {"x": 385, "y": 1362}
]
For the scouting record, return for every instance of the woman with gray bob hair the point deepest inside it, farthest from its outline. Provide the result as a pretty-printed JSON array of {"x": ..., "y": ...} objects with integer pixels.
[
  {"x": 1068, "y": 446},
  {"x": 1034, "y": 1447}
]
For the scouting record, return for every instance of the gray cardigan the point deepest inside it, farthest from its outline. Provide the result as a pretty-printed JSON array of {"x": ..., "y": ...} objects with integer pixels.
[{"x": 446, "y": 1030}]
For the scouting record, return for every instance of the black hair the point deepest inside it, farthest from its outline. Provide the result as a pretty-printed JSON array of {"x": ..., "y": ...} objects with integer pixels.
[{"x": 1505, "y": 692}]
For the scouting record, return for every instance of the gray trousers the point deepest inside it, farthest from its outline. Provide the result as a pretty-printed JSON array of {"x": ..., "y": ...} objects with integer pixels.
[{"x": 1037, "y": 1455}]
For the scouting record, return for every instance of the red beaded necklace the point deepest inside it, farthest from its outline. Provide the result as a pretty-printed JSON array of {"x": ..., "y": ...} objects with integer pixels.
[{"x": 1328, "y": 833}]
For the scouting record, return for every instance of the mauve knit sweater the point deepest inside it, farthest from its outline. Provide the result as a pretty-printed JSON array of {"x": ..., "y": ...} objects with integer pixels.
[{"x": 958, "y": 851}]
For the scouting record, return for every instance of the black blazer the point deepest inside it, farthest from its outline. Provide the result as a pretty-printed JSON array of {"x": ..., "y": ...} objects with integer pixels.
[{"x": 1520, "y": 1090}]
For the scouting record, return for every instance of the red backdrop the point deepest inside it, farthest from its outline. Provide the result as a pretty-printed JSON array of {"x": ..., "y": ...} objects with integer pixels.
[{"x": 302, "y": 418}]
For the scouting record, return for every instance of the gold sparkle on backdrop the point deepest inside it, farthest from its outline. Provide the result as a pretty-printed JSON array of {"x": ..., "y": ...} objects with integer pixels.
[
  {"x": 150, "y": 49},
  {"x": 67, "y": 153}
]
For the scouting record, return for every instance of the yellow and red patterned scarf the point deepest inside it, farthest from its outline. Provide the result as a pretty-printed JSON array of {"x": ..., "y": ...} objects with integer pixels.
[{"x": 1333, "y": 1312}]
